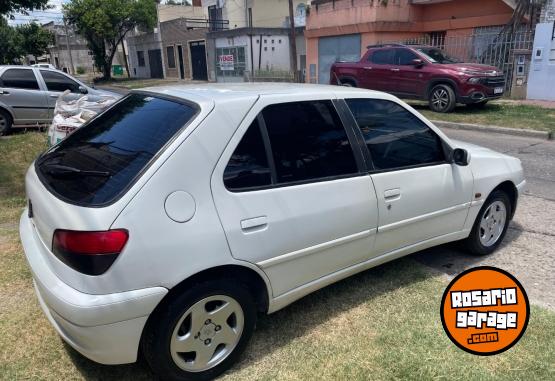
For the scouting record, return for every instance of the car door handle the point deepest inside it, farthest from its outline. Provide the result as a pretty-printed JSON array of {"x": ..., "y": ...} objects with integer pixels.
[
  {"x": 54, "y": 95},
  {"x": 368, "y": 68},
  {"x": 4, "y": 92},
  {"x": 253, "y": 224},
  {"x": 392, "y": 194},
  {"x": 394, "y": 69}
]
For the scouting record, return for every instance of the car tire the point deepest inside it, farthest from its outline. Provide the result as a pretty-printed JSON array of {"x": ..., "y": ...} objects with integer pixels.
[
  {"x": 479, "y": 105},
  {"x": 5, "y": 123},
  {"x": 490, "y": 225},
  {"x": 442, "y": 99},
  {"x": 171, "y": 331},
  {"x": 348, "y": 84}
]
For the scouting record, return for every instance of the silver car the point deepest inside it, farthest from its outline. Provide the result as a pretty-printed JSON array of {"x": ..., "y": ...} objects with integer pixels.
[{"x": 28, "y": 95}]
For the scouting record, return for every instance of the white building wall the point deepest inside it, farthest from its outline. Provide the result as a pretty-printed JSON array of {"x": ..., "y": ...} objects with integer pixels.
[{"x": 542, "y": 69}]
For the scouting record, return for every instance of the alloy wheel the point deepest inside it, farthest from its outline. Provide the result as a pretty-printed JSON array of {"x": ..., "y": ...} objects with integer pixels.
[
  {"x": 207, "y": 333},
  {"x": 492, "y": 223},
  {"x": 440, "y": 99}
]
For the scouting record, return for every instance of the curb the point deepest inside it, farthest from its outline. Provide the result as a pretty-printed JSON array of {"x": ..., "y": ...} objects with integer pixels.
[{"x": 495, "y": 129}]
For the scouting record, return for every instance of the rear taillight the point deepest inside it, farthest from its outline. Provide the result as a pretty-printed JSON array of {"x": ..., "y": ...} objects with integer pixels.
[{"x": 91, "y": 253}]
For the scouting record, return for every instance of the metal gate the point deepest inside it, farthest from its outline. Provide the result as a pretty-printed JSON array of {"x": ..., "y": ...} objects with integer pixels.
[
  {"x": 198, "y": 60},
  {"x": 332, "y": 49},
  {"x": 230, "y": 64}
]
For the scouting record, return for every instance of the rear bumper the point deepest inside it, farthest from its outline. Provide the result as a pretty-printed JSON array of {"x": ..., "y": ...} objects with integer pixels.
[{"x": 105, "y": 328}]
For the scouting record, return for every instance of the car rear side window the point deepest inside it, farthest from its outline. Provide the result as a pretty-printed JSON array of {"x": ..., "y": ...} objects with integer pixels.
[
  {"x": 383, "y": 57},
  {"x": 58, "y": 82},
  {"x": 99, "y": 161},
  {"x": 395, "y": 137},
  {"x": 19, "y": 79},
  {"x": 308, "y": 141},
  {"x": 248, "y": 166}
]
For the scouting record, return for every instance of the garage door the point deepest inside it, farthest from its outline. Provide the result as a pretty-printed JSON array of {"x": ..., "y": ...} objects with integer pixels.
[{"x": 338, "y": 48}]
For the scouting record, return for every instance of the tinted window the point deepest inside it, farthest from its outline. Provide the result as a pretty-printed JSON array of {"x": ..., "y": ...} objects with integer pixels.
[
  {"x": 404, "y": 57},
  {"x": 383, "y": 56},
  {"x": 59, "y": 82},
  {"x": 308, "y": 141},
  {"x": 395, "y": 137},
  {"x": 19, "y": 79},
  {"x": 171, "y": 56},
  {"x": 248, "y": 166},
  {"x": 112, "y": 150}
]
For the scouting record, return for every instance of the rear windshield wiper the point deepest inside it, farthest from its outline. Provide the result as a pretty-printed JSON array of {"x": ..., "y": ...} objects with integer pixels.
[{"x": 58, "y": 170}]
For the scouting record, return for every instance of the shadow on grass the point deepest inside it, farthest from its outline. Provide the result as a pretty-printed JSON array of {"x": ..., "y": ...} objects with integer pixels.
[
  {"x": 278, "y": 329},
  {"x": 462, "y": 109}
]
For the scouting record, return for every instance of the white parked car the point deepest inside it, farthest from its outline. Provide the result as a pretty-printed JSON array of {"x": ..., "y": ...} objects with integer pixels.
[{"x": 167, "y": 222}]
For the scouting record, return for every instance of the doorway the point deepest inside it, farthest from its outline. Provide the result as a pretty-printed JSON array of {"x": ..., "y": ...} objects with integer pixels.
[
  {"x": 181, "y": 64},
  {"x": 155, "y": 63},
  {"x": 198, "y": 60}
]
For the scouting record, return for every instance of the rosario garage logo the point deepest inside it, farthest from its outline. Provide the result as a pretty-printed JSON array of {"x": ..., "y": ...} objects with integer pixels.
[{"x": 485, "y": 310}]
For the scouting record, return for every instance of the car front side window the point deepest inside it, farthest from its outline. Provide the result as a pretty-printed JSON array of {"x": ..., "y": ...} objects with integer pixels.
[
  {"x": 383, "y": 57},
  {"x": 395, "y": 137},
  {"x": 58, "y": 82}
]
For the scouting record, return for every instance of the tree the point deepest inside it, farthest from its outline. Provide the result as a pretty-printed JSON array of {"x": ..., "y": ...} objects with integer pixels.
[
  {"x": 104, "y": 24},
  {"x": 21, "y": 6},
  {"x": 10, "y": 43},
  {"x": 523, "y": 9},
  {"x": 35, "y": 39}
]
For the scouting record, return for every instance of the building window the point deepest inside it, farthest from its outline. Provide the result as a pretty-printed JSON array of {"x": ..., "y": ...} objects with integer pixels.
[
  {"x": 265, "y": 48},
  {"x": 279, "y": 41},
  {"x": 273, "y": 48},
  {"x": 265, "y": 41},
  {"x": 215, "y": 18},
  {"x": 272, "y": 41},
  {"x": 141, "y": 58},
  {"x": 170, "y": 52}
]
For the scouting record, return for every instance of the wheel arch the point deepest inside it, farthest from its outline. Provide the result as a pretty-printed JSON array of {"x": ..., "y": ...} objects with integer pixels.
[
  {"x": 441, "y": 81},
  {"x": 256, "y": 283},
  {"x": 348, "y": 78},
  {"x": 509, "y": 188},
  {"x": 7, "y": 111}
]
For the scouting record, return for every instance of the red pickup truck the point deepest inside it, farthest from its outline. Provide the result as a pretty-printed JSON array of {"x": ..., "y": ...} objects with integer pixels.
[{"x": 421, "y": 72}]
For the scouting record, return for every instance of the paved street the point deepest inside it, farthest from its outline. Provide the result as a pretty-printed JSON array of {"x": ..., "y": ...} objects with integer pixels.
[{"x": 529, "y": 248}]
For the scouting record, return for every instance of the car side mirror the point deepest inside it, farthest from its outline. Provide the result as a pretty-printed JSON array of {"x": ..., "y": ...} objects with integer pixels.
[
  {"x": 460, "y": 156},
  {"x": 417, "y": 62},
  {"x": 83, "y": 90}
]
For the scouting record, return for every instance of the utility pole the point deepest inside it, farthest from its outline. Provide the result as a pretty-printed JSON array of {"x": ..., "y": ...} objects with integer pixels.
[
  {"x": 293, "y": 42},
  {"x": 71, "y": 68}
]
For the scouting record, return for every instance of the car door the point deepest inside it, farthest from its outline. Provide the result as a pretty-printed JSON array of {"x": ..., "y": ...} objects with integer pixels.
[
  {"x": 421, "y": 196},
  {"x": 380, "y": 70},
  {"x": 20, "y": 91},
  {"x": 56, "y": 83},
  {"x": 292, "y": 195},
  {"x": 408, "y": 75}
]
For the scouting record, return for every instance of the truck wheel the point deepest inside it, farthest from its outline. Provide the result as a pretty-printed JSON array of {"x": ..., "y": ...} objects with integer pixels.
[
  {"x": 5, "y": 123},
  {"x": 200, "y": 333},
  {"x": 442, "y": 99}
]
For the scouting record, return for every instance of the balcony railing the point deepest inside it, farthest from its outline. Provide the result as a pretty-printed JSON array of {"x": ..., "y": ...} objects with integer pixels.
[{"x": 211, "y": 25}]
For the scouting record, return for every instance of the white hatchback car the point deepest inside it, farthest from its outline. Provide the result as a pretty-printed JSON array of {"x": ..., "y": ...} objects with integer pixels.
[{"x": 168, "y": 221}]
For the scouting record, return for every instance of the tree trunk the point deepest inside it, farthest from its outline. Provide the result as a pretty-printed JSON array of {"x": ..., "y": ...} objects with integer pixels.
[
  {"x": 107, "y": 69},
  {"x": 125, "y": 59}
]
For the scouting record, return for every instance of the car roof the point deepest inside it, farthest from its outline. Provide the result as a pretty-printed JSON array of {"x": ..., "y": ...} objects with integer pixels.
[{"x": 217, "y": 92}]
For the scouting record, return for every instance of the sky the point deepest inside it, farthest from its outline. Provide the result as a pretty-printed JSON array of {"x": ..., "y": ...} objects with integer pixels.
[{"x": 41, "y": 17}]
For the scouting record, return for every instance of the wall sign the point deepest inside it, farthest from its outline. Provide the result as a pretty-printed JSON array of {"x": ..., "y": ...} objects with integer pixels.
[{"x": 226, "y": 62}]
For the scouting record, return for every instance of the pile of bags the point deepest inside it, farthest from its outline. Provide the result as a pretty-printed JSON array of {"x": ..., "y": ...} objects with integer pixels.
[{"x": 73, "y": 110}]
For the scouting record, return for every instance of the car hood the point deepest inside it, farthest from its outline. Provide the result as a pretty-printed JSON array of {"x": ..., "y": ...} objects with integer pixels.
[
  {"x": 473, "y": 148},
  {"x": 475, "y": 68}
]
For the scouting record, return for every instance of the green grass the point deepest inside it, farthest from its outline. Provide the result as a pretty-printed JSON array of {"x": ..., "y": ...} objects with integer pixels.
[
  {"x": 497, "y": 114},
  {"x": 382, "y": 324}
]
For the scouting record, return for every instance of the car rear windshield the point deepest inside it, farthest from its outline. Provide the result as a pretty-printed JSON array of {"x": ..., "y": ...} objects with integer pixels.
[{"x": 99, "y": 161}]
